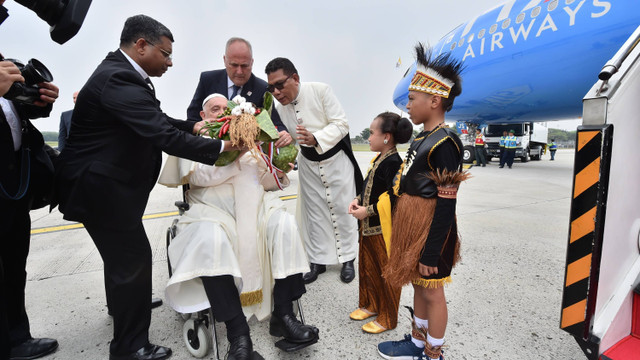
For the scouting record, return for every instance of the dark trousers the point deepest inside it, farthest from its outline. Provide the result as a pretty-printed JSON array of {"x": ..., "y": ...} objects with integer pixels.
[
  {"x": 225, "y": 299},
  {"x": 14, "y": 248},
  {"x": 507, "y": 157},
  {"x": 127, "y": 272},
  {"x": 480, "y": 159},
  {"x": 553, "y": 154}
]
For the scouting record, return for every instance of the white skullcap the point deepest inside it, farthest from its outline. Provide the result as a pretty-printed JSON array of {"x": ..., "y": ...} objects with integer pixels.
[{"x": 211, "y": 97}]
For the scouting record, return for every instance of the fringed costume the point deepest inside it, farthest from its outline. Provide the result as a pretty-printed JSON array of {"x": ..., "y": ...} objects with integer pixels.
[
  {"x": 424, "y": 224},
  {"x": 375, "y": 294}
]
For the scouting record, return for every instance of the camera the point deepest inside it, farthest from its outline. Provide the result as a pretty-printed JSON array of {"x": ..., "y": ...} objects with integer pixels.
[
  {"x": 33, "y": 72},
  {"x": 64, "y": 16}
]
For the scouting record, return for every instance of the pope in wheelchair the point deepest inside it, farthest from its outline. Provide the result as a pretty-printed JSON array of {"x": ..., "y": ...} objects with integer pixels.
[{"x": 237, "y": 250}]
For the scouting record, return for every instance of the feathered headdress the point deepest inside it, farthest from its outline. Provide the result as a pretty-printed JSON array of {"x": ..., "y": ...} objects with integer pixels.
[{"x": 437, "y": 76}]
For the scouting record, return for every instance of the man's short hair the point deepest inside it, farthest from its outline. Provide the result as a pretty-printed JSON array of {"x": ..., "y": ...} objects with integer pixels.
[
  {"x": 142, "y": 26},
  {"x": 236, "y": 39},
  {"x": 281, "y": 63}
]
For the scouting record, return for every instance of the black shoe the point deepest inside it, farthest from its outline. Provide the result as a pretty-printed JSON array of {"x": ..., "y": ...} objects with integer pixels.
[
  {"x": 155, "y": 302},
  {"x": 483, "y": 165},
  {"x": 240, "y": 348},
  {"x": 147, "y": 352},
  {"x": 292, "y": 329},
  {"x": 501, "y": 166},
  {"x": 509, "y": 166},
  {"x": 312, "y": 275},
  {"x": 33, "y": 349},
  {"x": 348, "y": 272}
]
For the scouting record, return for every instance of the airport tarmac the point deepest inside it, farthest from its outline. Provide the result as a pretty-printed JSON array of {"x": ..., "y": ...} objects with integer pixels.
[{"x": 504, "y": 302}]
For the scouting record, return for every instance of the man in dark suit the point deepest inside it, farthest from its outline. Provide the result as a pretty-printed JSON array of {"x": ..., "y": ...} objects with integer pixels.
[
  {"x": 236, "y": 79},
  {"x": 26, "y": 176},
  {"x": 110, "y": 164},
  {"x": 65, "y": 125}
]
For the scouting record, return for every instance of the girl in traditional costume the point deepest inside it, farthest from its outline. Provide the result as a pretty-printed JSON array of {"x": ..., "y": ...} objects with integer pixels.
[
  {"x": 376, "y": 296},
  {"x": 424, "y": 240}
]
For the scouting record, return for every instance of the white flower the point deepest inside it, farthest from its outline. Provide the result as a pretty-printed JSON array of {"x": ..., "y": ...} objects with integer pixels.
[
  {"x": 239, "y": 100},
  {"x": 237, "y": 111},
  {"x": 247, "y": 108}
]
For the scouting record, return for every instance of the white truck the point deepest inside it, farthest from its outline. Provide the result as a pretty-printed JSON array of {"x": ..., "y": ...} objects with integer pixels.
[{"x": 531, "y": 144}]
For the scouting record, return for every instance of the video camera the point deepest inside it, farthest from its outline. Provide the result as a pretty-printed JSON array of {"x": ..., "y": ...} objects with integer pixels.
[
  {"x": 64, "y": 16},
  {"x": 33, "y": 73}
]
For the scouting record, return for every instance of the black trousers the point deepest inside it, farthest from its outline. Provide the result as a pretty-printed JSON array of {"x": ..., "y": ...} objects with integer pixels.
[
  {"x": 15, "y": 223},
  {"x": 127, "y": 273},
  {"x": 480, "y": 159},
  {"x": 507, "y": 157},
  {"x": 225, "y": 299}
]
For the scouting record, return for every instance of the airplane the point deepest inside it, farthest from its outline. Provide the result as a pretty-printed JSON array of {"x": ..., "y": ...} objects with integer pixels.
[
  {"x": 531, "y": 60},
  {"x": 537, "y": 61}
]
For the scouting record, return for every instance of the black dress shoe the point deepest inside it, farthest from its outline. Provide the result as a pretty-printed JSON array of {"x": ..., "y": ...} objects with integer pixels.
[
  {"x": 33, "y": 349},
  {"x": 156, "y": 302},
  {"x": 147, "y": 352},
  {"x": 348, "y": 272},
  {"x": 240, "y": 348},
  {"x": 292, "y": 329},
  {"x": 312, "y": 275}
]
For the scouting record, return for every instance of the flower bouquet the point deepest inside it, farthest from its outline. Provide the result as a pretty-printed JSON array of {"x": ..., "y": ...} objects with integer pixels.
[{"x": 243, "y": 124}]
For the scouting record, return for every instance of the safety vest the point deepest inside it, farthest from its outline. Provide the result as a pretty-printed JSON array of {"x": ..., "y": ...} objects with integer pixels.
[
  {"x": 511, "y": 142},
  {"x": 479, "y": 140},
  {"x": 553, "y": 146},
  {"x": 502, "y": 140}
]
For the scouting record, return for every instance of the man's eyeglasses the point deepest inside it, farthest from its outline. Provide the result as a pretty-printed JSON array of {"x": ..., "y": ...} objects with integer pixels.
[
  {"x": 167, "y": 55},
  {"x": 279, "y": 85}
]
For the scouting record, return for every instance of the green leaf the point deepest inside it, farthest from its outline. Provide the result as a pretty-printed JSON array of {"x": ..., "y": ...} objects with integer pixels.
[
  {"x": 227, "y": 158},
  {"x": 266, "y": 125},
  {"x": 268, "y": 102}
]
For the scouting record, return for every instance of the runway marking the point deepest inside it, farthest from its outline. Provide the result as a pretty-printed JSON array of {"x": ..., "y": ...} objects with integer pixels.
[
  {"x": 584, "y": 248},
  {"x": 50, "y": 229}
]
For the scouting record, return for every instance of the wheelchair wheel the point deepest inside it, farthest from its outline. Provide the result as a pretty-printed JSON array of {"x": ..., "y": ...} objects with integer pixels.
[{"x": 198, "y": 340}]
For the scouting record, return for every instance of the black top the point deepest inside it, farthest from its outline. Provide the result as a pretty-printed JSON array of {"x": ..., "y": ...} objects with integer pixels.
[
  {"x": 432, "y": 150},
  {"x": 378, "y": 180}
]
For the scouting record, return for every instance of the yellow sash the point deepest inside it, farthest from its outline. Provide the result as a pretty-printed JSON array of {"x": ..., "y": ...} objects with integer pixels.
[{"x": 384, "y": 212}]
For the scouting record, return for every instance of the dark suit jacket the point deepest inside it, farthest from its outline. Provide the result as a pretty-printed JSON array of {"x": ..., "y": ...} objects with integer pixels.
[
  {"x": 215, "y": 81},
  {"x": 40, "y": 166},
  {"x": 113, "y": 155},
  {"x": 65, "y": 126}
]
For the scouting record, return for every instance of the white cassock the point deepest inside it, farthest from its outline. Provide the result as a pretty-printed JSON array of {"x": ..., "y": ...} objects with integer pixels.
[
  {"x": 233, "y": 227},
  {"x": 326, "y": 187}
]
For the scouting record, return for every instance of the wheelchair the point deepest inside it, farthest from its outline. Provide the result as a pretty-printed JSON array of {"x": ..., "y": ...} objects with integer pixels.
[{"x": 199, "y": 329}]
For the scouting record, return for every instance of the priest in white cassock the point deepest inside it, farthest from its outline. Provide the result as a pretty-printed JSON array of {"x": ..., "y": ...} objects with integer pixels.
[
  {"x": 236, "y": 248},
  {"x": 329, "y": 174}
]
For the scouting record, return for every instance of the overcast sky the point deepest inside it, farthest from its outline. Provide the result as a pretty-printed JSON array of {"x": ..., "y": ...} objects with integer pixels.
[{"x": 351, "y": 45}]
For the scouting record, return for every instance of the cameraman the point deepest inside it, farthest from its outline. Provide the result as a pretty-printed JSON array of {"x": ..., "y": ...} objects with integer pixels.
[{"x": 17, "y": 137}]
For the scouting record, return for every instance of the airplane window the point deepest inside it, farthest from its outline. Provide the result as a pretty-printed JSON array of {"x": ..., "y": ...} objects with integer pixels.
[
  {"x": 453, "y": 46},
  {"x": 470, "y": 39},
  {"x": 520, "y": 18},
  {"x": 493, "y": 28},
  {"x": 552, "y": 5},
  {"x": 535, "y": 12},
  {"x": 506, "y": 23},
  {"x": 481, "y": 33},
  {"x": 461, "y": 42},
  {"x": 569, "y": 2}
]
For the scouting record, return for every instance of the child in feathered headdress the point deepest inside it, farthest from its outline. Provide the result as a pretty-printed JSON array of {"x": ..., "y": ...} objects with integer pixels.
[{"x": 424, "y": 237}]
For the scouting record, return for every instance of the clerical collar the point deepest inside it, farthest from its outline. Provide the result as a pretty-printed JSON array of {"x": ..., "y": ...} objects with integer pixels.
[{"x": 135, "y": 65}]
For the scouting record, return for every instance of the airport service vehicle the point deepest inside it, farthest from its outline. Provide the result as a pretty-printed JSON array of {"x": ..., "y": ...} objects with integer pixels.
[
  {"x": 534, "y": 61},
  {"x": 531, "y": 144}
]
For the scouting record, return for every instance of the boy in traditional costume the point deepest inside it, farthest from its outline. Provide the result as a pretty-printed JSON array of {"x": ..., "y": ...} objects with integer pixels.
[{"x": 424, "y": 240}]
